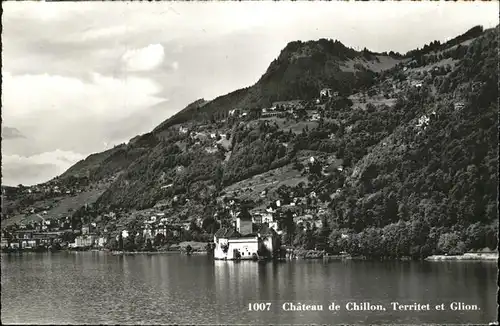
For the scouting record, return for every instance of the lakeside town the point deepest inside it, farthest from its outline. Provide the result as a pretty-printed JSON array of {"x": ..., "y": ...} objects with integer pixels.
[
  {"x": 250, "y": 210},
  {"x": 243, "y": 234}
]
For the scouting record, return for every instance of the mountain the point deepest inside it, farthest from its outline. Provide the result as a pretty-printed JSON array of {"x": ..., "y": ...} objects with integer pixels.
[
  {"x": 401, "y": 161},
  {"x": 299, "y": 71}
]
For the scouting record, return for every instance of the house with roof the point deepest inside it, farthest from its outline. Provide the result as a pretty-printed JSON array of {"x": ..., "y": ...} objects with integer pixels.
[
  {"x": 84, "y": 241},
  {"x": 25, "y": 239},
  {"x": 101, "y": 242},
  {"x": 325, "y": 92},
  {"x": 234, "y": 112},
  {"x": 47, "y": 238},
  {"x": 262, "y": 216},
  {"x": 315, "y": 117},
  {"x": 459, "y": 105},
  {"x": 147, "y": 231},
  {"x": 415, "y": 83},
  {"x": 289, "y": 106},
  {"x": 4, "y": 243}
]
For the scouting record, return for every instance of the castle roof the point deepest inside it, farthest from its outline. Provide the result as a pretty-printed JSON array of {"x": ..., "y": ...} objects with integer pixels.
[{"x": 227, "y": 233}]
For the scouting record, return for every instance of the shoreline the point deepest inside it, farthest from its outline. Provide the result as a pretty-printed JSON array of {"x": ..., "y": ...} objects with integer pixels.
[
  {"x": 112, "y": 252},
  {"x": 464, "y": 257},
  {"x": 489, "y": 257},
  {"x": 118, "y": 253}
]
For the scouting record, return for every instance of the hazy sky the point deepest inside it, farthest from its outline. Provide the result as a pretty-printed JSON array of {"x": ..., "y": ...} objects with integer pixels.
[{"x": 79, "y": 78}]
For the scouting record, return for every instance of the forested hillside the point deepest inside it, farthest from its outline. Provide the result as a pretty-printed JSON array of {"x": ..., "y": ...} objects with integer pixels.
[
  {"x": 433, "y": 186},
  {"x": 401, "y": 161}
]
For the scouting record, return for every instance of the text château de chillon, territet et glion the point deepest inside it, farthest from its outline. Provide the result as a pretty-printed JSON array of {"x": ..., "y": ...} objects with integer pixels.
[{"x": 367, "y": 306}]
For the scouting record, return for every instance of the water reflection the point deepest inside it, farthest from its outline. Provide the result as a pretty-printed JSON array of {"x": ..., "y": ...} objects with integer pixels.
[{"x": 92, "y": 287}]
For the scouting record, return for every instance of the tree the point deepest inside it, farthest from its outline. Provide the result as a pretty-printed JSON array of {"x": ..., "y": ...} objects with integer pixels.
[
  {"x": 120, "y": 241},
  {"x": 68, "y": 236},
  {"x": 148, "y": 246},
  {"x": 193, "y": 227},
  {"x": 112, "y": 244},
  {"x": 210, "y": 225},
  {"x": 159, "y": 240},
  {"x": 139, "y": 241},
  {"x": 309, "y": 241},
  {"x": 219, "y": 176},
  {"x": 476, "y": 236},
  {"x": 323, "y": 234},
  {"x": 288, "y": 224},
  {"x": 129, "y": 243},
  {"x": 451, "y": 243}
]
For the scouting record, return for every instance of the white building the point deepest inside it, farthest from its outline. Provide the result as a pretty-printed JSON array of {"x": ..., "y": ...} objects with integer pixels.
[
  {"x": 28, "y": 244},
  {"x": 101, "y": 242},
  {"x": 262, "y": 217},
  {"x": 230, "y": 245},
  {"x": 459, "y": 105},
  {"x": 325, "y": 92},
  {"x": 83, "y": 241},
  {"x": 423, "y": 122},
  {"x": 162, "y": 229},
  {"x": 267, "y": 218},
  {"x": 147, "y": 231},
  {"x": 315, "y": 117}
]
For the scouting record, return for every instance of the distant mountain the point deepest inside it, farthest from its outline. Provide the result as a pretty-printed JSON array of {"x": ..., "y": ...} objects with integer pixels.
[{"x": 11, "y": 133}]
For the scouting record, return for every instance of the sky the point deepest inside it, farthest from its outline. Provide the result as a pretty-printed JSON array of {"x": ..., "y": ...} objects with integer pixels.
[{"x": 82, "y": 77}]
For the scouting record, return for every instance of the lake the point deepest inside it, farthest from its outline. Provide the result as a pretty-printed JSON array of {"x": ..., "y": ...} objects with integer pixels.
[{"x": 95, "y": 288}]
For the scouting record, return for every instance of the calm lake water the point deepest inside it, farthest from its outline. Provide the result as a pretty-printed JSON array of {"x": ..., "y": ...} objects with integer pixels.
[{"x": 95, "y": 288}]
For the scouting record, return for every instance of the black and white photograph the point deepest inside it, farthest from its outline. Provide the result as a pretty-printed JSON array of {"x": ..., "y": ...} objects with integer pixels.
[{"x": 249, "y": 162}]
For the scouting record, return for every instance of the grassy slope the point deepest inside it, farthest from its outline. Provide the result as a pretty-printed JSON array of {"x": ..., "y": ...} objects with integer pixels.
[{"x": 64, "y": 207}]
